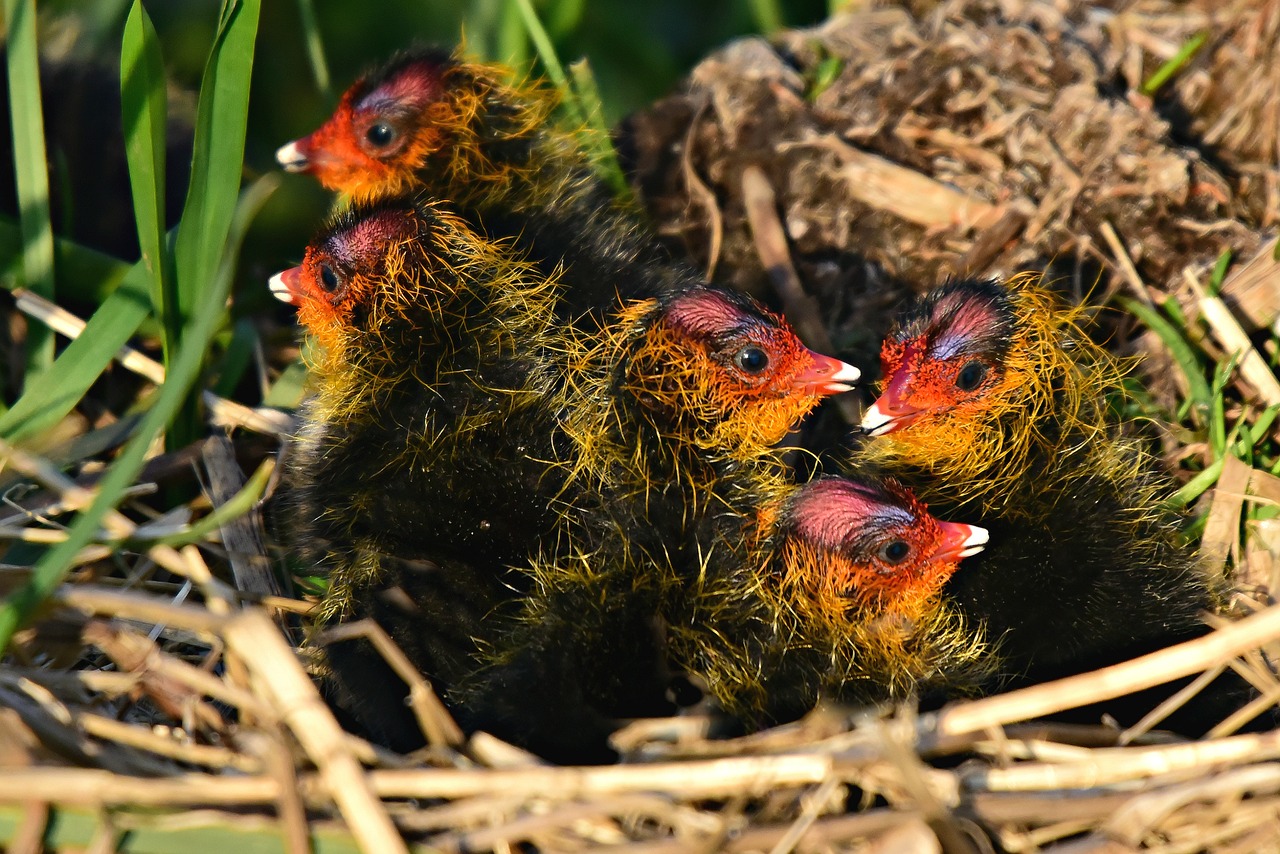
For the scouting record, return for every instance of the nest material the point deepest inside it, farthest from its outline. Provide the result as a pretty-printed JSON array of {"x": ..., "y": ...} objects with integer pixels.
[
  {"x": 974, "y": 137},
  {"x": 982, "y": 138}
]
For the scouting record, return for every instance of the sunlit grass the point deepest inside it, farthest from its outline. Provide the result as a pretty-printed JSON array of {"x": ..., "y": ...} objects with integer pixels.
[{"x": 215, "y": 218}]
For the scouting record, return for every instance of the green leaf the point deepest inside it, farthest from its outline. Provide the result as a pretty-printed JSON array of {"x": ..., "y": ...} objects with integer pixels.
[
  {"x": 1166, "y": 72},
  {"x": 286, "y": 392},
  {"x": 31, "y": 167},
  {"x": 595, "y": 135},
  {"x": 236, "y": 357},
  {"x": 1219, "y": 272},
  {"x": 196, "y": 334},
  {"x": 1182, "y": 354},
  {"x": 826, "y": 73},
  {"x": 216, "y": 163},
  {"x": 315, "y": 45},
  {"x": 144, "y": 114},
  {"x": 56, "y": 390},
  {"x": 767, "y": 15}
]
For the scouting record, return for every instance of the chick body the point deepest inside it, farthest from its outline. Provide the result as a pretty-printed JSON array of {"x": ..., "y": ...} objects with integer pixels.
[
  {"x": 427, "y": 457},
  {"x": 679, "y": 408},
  {"x": 994, "y": 407}
]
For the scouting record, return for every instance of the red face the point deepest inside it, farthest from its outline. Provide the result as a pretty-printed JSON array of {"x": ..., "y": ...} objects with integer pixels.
[
  {"x": 722, "y": 360},
  {"x": 945, "y": 357},
  {"x": 757, "y": 353},
  {"x": 341, "y": 269},
  {"x": 871, "y": 546},
  {"x": 383, "y": 130}
]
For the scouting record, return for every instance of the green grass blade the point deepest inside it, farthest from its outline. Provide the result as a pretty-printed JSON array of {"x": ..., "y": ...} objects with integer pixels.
[
  {"x": 237, "y": 356},
  {"x": 495, "y": 31},
  {"x": 1218, "y": 409},
  {"x": 315, "y": 46},
  {"x": 233, "y": 508},
  {"x": 287, "y": 391},
  {"x": 1182, "y": 354},
  {"x": 551, "y": 62},
  {"x": 1219, "y": 273},
  {"x": 826, "y": 73},
  {"x": 31, "y": 167},
  {"x": 1165, "y": 72},
  {"x": 1262, "y": 427},
  {"x": 216, "y": 164},
  {"x": 196, "y": 334},
  {"x": 581, "y": 98},
  {"x": 58, "y": 389},
  {"x": 595, "y": 135},
  {"x": 767, "y": 15},
  {"x": 1196, "y": 487},
  {"x": 564, "y": 16},
  {"x": 144, "y": 110}
]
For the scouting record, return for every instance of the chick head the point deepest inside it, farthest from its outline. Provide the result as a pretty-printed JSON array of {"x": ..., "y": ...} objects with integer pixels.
[
  {"x": 715, "y": 368},
  {"x": 423, "y": 118}
]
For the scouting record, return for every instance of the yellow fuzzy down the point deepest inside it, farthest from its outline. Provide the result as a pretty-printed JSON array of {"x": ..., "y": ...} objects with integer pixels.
[{"x": 464, "y": 301}]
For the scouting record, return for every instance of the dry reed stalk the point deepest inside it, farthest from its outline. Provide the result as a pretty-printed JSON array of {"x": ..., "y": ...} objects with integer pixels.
[
  {"x": 226, "y": 413},
  {"x": 147, "y": 739},
  {"x": 433, "y": 718},
  {"x": 242, "y": 537},
  {"x": 69, "y": 326},
  {"x": 1111, "y": 766},
  {"x": 1222, "y": 528},
  {"x": 95, "y": 787},
  {"x": 831, "y": 831},
  {"x": 755, "y": 775},
  {"x": 93, "y": 600},
  {"x": 1253, "y": 288},
  {"x": 1234, "y": 341},
  {"x": 702, "y": 196},
  {"x": 1150, "y": 670},
  {"x": 1131, "y": 824},
  {"x": 278, "y": 676}
]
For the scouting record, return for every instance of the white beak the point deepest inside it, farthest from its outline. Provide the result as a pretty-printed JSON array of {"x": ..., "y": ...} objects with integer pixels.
[
  {"x": 291, "y": 158},
  {"x": 280, "y": 289},
  {"x": 875, "y": 420},
  {"x": 975, "y": 542}
]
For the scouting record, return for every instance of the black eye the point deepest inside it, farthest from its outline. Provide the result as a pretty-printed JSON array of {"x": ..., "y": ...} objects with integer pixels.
[
  {"x": 971, "y": 376},
  {"x": 751, "y": 359},
  {"x": 380, "y": 134},
  {"x": 328, "y": 278},
  {"x": 895, "y": 551}
]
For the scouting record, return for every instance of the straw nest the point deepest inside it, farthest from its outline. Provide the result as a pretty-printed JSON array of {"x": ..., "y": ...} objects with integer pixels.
[{"x": 159, "y": 703}]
